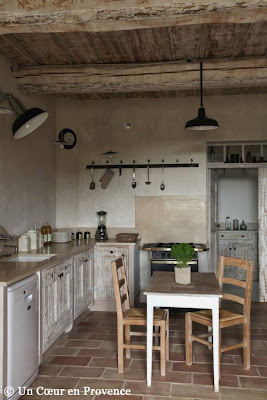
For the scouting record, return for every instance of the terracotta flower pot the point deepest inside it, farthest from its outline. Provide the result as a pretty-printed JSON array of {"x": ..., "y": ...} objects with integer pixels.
[{"x": 182, "y": 275}]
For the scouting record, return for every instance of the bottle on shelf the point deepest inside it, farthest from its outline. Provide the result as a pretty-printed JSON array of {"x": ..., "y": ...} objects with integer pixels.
[
  {"x": 228, "y": 223},
  {"x": 49, "y": 233},
  {"x": 243, "y": 226},
  {"x": 211, "y": 157},
  {"x": 44, "y": 234}
]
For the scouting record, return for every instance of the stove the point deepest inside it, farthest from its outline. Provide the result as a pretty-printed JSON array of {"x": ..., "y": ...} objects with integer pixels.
[{"x": 160, "y": 256}]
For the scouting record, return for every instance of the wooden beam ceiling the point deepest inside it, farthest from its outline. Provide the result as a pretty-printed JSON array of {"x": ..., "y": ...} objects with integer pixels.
[
  {"x": 110, "y": 78},
  {"x": 17, "y": 16}
]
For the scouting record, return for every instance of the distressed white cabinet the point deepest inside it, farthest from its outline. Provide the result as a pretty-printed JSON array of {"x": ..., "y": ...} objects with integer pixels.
[
  {"x": 57, "y": 294},
  {"x": 103, "y": 284},
  {"x": 49, "y": 307},
  {"x": 242, "y": 244},
  {"x": 64, "y": 294},
  {"x": 83, "y": 281}
]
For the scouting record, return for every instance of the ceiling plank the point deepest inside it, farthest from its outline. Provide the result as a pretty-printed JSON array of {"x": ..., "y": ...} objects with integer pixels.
[
  {"x": 34, "y": 16},
  {"x": 162, "y": 76}
]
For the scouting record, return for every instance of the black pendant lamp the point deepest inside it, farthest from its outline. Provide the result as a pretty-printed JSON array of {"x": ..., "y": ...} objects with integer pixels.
[
  {"x": 27, "y": 119},
  {"x": 201, "y": 122}
]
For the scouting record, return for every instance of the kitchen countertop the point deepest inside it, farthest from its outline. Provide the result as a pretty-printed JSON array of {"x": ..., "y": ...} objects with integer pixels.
[{"x": 11, "y": 272}]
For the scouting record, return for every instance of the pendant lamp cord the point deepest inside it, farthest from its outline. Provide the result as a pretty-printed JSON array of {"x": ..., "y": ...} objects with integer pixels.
[{"x": 201, "y": 94}]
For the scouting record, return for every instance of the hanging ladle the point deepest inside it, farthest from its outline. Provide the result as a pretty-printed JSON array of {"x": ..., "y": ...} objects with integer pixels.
[
  {"x": 162, "y": 186},
  {"x": 148, "y": 181},
  {"x": 92, "y": 184},
  {"x": 120, "y": 176},
  {"x": 134, "y": 181}
]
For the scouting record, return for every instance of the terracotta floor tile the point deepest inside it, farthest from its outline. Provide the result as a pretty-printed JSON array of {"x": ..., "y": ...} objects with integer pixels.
[
  {"x": 56, "y": 382},
  {"x": 263, "y": 371},
  {"x": 90, "y": 344},
  {"x": 207, "y": 379},
  {"x": 261, "y": 361},
  {"x": 242, "y": 394},
  {"x": 64, "y": 351},
  {"x": 204, "y": 368},
  {"x": 175, "y": 377},
  {"x": 78, "y": 336},
  {"x": 194, "y": 391},
  {"x": 100, "y": 384},
  {"x": 49, "y": 370},
  {"x": 62, "y": 360},
  {"x": 257, "y": 383},
  {"x": 129, "y": 374},
  {"x": 157, "y": 388},
  {"x": 120, "y": 397},
  {"x": 228, "y": 369},
  {"x": 108, "y": 345},
  {"x": 106, "y": 362},
  {"x": 96, "y": 353},
  {"x": 207, "y": 358},
  {"x": 141, "y": 364},
  {"x": 104, "y": 336},
  {"x": 82, "y": 372}
]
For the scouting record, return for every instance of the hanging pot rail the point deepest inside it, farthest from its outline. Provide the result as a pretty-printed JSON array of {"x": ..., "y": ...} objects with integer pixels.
[{"x": 122, "y": 166}]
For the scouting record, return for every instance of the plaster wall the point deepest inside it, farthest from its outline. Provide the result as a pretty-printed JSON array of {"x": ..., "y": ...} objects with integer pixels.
[
  {"x": 28, "y": 165},
  {"x": 157, "y": 133}
]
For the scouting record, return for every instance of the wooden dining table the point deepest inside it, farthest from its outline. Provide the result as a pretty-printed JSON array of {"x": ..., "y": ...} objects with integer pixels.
[{"x": 202, "y": 293}]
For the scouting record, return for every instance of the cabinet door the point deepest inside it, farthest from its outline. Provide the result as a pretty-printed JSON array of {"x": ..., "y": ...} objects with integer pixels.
[
  {"x": 248, "y": 252},
  {"x": 103, "y": 284},
  {"x": 224, "y": 248},
  {"x": 49, "y": 307},
  {"x": 64, "y": 294},
  {"x": 78, "y": 284},
  {"x": 88, "y": 283}
]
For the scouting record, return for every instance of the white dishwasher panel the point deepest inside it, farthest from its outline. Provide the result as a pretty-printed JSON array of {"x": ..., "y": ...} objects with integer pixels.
[{"x": 23, "y": 321}]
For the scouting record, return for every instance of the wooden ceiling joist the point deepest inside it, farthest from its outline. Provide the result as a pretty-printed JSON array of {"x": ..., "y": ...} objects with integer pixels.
[
  {"x": 108, "y": 78},
  {"x": 32, "y": 16}
]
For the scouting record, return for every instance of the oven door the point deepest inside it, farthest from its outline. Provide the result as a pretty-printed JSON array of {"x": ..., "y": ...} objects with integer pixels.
[{"x": 168, "y": 265}]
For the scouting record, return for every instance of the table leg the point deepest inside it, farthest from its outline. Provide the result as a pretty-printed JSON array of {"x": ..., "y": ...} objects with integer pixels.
[
  {"x": 215, "y": 329},
  {"x": 149, "y": 340}
]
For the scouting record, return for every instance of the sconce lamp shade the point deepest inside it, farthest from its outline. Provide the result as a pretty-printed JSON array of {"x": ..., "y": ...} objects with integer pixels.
[
  {"x": 201, "y": 122},
  {"x": 28, "y": 121}
]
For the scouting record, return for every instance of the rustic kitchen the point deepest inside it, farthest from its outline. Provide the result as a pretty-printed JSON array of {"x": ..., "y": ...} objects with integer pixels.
[{"x": 116, "y": 164}]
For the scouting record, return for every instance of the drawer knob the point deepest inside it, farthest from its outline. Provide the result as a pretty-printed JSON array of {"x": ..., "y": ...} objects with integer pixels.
[{"x": 111, "y": 252}]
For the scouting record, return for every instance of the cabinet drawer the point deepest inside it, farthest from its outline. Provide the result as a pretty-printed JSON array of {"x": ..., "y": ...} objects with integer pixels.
[{"x": 233, "y": 235}]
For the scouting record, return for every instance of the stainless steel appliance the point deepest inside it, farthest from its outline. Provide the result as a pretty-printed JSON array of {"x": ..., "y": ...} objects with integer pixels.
[
  {"x": 160, "y": 256},
  {"x": 101, "y": 232}
]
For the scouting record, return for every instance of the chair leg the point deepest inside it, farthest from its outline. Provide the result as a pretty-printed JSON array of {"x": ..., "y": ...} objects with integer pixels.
[
  {"x": 127, "y": 340},
  {"x": 246, "y": 348},
  {"x": 188, "y": 339},
  {"x": 220, "y": 352},
  {"x": 163, "y": 348},
  {"x": 120, "y": 349},
  {"x": 167, "y": 336}
]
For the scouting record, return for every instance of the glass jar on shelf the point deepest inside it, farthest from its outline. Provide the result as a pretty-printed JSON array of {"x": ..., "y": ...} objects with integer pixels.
[{"x": 227, "y": 223}]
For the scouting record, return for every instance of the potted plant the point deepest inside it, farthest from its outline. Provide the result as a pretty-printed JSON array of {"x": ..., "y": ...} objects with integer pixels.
[{"x": 183, "y": 254}]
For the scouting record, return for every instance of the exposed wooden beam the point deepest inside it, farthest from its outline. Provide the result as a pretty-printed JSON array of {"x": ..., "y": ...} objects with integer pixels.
[
  {"x": 72, "y": 79},
  {"x": 18, "y": 16}
]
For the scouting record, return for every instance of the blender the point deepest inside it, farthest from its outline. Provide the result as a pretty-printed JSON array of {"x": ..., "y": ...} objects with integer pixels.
[{"x": 101, "y": 232}]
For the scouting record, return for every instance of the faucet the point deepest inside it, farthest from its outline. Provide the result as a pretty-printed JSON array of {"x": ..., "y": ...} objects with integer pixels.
[{"x": 3, "y": 239}]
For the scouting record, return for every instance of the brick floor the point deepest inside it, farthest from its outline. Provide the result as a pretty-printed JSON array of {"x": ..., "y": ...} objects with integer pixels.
[{"x": 87, "y": 357}]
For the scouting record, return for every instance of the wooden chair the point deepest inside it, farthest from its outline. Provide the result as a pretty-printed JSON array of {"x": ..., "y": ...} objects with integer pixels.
[
  {"x": 127, "y": 316},
  {"x": 226, "y": 318}
]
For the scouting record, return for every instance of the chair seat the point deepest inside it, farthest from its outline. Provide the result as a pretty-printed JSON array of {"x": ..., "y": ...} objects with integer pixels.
[
  {"x": 140, "y": 313},
  {"x": 224, "y": 315}
]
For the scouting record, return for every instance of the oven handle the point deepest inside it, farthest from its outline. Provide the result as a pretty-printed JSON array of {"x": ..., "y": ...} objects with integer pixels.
[{"x": 170, "y": 262}]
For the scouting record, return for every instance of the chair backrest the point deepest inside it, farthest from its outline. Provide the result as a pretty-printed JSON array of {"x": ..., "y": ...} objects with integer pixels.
[
  {"x": 120, "y": 287},
  {"x": 247, "y": 265}
]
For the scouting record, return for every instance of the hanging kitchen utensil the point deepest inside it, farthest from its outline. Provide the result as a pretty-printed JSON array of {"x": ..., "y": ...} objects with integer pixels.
[
  {"x": 147, "y": 168},
  {"x": 120, "y": 176},
  {"x": 92, "y": 184},
  {"x": 162, "y": 186},
  {"x": 134, "y": 181}
]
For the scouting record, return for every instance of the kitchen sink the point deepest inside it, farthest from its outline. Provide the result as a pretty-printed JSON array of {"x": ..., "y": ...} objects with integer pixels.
[{"x": 30, "y": 257}]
